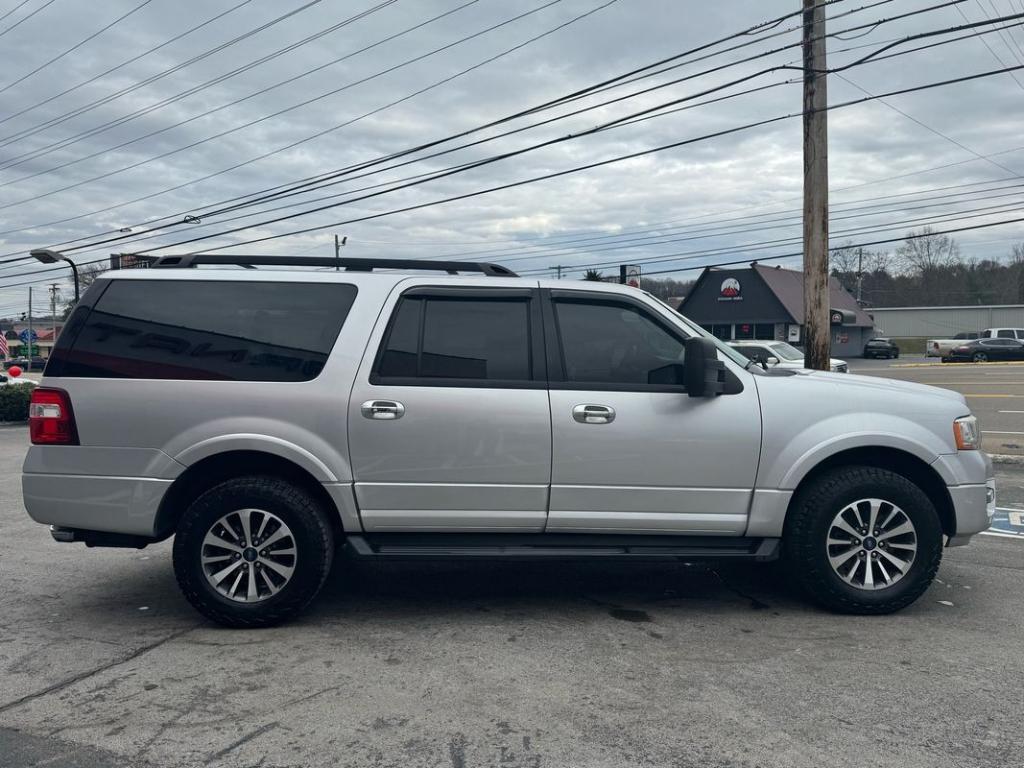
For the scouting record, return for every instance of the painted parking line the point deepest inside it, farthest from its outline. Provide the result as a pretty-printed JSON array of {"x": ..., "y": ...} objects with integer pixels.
[
  {"x": 996, "y": 432},
  {"x": 949, "y": 365},
  {"x": 1011, "y": 411},
  {"x": 1007, "y": 522}
]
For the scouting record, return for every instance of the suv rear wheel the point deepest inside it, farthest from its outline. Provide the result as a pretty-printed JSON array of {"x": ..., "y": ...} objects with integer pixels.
[
  {"x": 252, "y": 551},
  {"x": 863, "y": 540}
]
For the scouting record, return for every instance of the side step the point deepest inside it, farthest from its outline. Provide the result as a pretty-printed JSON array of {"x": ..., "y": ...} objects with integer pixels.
[{"x": 559, "y": 546}]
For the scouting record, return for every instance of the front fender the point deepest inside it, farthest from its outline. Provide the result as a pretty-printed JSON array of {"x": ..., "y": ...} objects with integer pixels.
[{"x": 785, "y": 465}]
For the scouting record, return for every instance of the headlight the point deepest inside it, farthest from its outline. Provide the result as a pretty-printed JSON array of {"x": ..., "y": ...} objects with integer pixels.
[{"x": 965, "y": 431}]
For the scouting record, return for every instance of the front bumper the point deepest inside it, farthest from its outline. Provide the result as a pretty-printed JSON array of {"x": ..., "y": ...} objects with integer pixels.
[{"x": 974, "y": 507}]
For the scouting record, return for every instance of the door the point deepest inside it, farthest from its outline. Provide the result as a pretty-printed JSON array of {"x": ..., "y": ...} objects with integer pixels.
[
  {"x": 449, "y": 425},
  {"x": 634, "y": 456}
]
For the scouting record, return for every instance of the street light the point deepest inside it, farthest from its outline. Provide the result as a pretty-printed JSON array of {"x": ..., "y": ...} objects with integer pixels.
[{"x": 46, "y": 256}]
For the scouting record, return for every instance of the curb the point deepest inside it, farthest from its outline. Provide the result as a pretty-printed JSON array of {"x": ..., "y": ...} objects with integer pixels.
[{"x": 1007, "y": 459}]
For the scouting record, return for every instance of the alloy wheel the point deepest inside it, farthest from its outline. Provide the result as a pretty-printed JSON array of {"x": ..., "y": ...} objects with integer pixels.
[
  {"x": 871, "y": 544},
  {"x": 249, "y": 555}
]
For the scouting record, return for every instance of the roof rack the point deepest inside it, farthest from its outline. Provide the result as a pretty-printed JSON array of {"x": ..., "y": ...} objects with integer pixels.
[{"x": 350, "y": 265}]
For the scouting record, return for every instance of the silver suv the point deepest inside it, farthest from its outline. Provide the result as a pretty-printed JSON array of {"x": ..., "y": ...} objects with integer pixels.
[{"x": 446, "y": 409}]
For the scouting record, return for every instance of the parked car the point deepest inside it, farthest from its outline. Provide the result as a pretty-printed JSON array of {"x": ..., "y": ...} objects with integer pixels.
[
  {"x": 263, "y": 418},
  {"x": 983, "y": 350},
  {"x": 881, "y": 348},
  {"x": 37, "y": 363},
  {"x": 940, "y": 347},
  {"x": 779, "y": 354}
]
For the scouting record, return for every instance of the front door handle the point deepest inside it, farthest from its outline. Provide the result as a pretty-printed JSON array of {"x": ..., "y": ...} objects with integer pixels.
[
  {"x": 593, "y": 414},
  {"x": 383, "y": 410}
]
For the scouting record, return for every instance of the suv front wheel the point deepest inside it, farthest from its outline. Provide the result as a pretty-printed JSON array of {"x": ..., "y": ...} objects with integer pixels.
[
  {"x": 252, "y": 551},
  {"x": 863, "y": 540}
]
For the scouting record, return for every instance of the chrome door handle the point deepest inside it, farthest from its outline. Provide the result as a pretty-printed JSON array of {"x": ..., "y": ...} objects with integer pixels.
[
  {"x": 593, "y": 414},
  {"x": 383, "y": 410}
]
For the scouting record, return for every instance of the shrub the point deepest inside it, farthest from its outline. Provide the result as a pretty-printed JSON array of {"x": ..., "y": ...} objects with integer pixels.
[{"x": 14, "y": 400}]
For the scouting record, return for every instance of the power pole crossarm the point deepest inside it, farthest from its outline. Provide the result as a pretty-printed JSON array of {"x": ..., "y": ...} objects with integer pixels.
[{"x": 816, "y": 293}]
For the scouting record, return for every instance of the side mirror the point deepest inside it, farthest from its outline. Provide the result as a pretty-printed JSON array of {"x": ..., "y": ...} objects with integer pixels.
[
  {"x": 704, "y": 373},
  {"x": 772, "y": 360}
]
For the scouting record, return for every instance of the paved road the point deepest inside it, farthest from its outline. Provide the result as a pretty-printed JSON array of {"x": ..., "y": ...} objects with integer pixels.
[
  {"x": 103, "y": 665},
  {"x": 995, "y": 393}
]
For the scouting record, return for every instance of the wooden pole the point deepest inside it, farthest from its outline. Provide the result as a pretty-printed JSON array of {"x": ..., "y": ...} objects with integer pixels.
[{"x": 816, "y": 294}]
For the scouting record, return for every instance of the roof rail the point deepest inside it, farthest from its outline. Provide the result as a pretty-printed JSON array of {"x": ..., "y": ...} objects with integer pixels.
[{"x": 350, "y": 265}]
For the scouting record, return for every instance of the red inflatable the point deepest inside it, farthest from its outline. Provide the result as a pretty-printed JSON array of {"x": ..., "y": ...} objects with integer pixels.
[{"x": 14, "y": 371}]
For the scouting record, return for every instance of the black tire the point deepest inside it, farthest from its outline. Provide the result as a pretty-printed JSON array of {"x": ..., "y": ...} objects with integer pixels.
[
  {"x": 299, "y": 511},
  {"x": 979, "y": 357},
  {"x": 805, "y": 552}
]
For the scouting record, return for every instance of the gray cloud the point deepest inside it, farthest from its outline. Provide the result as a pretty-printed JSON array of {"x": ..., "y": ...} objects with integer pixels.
[{"x": 753, "y": 172}]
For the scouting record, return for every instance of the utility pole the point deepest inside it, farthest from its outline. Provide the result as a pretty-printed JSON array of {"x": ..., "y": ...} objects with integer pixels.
[
  {"x": 337, "y": 251},
  {"x": 816, "y": 309},
  {"x": 860, "y": 275},
  {"x": 29, "y": 355},
  {"x": 559, "y": 270},
  {"x": 54, "y": 290}
]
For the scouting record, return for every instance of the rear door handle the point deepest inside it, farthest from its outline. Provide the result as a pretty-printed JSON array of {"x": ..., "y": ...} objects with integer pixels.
[
  {"x": 593, "y": 414},
  {"x": 383, "y": 410}
]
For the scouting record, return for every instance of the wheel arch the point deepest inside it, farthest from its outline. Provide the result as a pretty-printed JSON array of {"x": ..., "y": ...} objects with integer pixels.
[
  {"x": 902, "y": 462},
  {"x": 216, "y": 468}
]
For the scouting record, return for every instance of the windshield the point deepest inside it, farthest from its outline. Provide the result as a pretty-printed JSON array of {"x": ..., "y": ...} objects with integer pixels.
[
  {"x": 785, "y": 351},
  {"x": 725, "y": 349}
]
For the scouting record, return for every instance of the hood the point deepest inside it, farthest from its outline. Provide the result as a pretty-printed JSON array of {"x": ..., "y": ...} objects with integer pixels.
[{"x": 882, "y": 385}]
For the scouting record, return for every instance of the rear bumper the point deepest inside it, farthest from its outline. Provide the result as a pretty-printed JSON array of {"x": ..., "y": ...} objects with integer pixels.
[
  {"x": 974, "y": 506},
  {"x": 126, "y": 505}
]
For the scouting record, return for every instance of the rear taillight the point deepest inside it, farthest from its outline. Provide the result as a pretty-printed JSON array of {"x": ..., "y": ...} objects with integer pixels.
[{"x": 50, "y": 418}]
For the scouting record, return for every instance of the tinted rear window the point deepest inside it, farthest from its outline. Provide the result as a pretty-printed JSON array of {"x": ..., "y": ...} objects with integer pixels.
[
  {"x": 436, "y": 338},
  {"x": 189, "y": 329}
]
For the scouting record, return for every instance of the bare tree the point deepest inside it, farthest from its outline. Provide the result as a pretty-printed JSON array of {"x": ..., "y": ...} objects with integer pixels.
[
  {"x": 926, "y": 251},
  {"x": 1017, "y": 265}
]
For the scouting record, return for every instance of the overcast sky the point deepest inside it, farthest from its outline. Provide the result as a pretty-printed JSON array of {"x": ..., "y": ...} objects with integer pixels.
[{"x": 620, "y": 213}]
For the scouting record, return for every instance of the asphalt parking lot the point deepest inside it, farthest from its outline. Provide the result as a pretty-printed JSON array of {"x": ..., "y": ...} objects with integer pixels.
[{"x": 104, "y": 665}]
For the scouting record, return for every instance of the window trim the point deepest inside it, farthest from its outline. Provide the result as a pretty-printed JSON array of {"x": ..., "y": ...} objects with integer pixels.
[
  {"x": 97, "y": 291},
  {"x": 535, "y": 341},
  {"x": 555, "y": 348},
  {"x": 553, "y": 342}
]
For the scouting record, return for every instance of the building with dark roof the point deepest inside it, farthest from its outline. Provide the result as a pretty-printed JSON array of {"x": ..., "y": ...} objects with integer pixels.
[{"x": 759, "y": 302}]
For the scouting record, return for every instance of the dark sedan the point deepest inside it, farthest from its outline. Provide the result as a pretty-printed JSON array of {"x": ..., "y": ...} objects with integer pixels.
[
  {"x": 983, "y": 350},
  {"x": 881, "y": 348}
]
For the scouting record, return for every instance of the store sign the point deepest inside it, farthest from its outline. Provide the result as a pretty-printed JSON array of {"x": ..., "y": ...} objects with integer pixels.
[
  {"x": 633, "y": 275},
  {"x": 730, "y": 290}
]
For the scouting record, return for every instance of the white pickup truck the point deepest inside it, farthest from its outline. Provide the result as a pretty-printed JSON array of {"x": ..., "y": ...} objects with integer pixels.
[{"x": 941, "y": 347}]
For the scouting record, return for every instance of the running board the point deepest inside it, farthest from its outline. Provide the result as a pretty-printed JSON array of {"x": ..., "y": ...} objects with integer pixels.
[{"x": 559, "y": 546}]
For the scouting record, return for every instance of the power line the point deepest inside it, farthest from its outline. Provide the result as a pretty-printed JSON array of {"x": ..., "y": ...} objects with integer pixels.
[
  {"x": 75, "y": 47},
  {"x": 927, "y": 127},
  {"x": 304, "y": 103},
  {"x": 125, "y": 63},
  {"x": 25, "y": 18},
  {"x": 557, "y": 174},
  {"x": 706, "y": 46},
  {"x": 528, "y": 111},
  {"x": 992, "y": 51},
  {"x": 15, "y": 8},
  {"x": 159, "y": 75},
  {"x": 966, "y": 214},
  {"x": 48, "y": 149}
]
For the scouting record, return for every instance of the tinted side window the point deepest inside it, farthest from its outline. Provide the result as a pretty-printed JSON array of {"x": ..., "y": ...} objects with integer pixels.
[
  {"x": 191, "y": 329},
  {"x": 1006, "y": 333},
  {"x": 612, "y": 343},
  {"x": 458, "y": 338}
]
